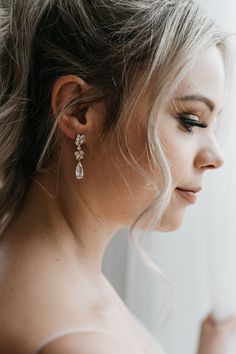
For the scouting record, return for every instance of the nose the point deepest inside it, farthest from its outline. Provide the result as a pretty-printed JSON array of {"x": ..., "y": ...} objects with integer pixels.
[{"x": 209, "y": 157}]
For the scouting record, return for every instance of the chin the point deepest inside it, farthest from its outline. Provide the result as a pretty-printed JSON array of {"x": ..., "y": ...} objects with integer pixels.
[
  {"x": 168, "y": 228},
  {"x": 171, "y": 220},
  {"x": 169, "y": 223}
]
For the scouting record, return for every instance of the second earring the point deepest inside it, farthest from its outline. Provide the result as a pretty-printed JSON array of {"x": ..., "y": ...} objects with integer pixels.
[{"x": 79, "y": 154}]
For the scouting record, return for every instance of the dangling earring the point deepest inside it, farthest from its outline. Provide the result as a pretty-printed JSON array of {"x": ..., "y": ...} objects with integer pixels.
[{"x": 79, "y": 154}]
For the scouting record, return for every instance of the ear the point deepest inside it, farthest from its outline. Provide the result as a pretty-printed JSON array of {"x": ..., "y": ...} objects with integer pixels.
[{"x": 74, "y": 120}]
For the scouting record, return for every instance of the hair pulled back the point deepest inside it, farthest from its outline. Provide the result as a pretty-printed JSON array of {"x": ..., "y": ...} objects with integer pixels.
[{"x": 105, "y": 42}]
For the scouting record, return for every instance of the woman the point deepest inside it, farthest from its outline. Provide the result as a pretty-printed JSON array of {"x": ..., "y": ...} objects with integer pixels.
[{"x": 107, "y": 118}]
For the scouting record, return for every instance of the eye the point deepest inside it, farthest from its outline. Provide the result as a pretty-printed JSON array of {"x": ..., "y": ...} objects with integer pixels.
[{"x": 189, "y": 120}]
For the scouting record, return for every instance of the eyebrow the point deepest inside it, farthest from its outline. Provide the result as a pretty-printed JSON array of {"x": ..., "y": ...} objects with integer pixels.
[{"x": 200, "y": 98}]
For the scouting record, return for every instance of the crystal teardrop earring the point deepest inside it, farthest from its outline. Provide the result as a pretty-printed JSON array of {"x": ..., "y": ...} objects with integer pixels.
[{"x": 79, "y": 154}]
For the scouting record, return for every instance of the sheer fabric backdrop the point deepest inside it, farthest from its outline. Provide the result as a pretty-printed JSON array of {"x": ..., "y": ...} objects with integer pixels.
[{"x": 200, "y": 258}]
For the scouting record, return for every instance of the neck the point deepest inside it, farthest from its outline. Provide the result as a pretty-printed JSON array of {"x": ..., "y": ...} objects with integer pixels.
[{"x": 66, "y": 220}]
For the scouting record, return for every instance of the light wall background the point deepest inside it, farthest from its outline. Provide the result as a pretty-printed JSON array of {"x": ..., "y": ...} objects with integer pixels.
[{"x": 200, "y": 258}]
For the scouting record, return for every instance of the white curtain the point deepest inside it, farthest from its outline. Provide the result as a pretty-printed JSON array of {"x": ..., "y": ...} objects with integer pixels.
[{"x": 200, "y": 258}]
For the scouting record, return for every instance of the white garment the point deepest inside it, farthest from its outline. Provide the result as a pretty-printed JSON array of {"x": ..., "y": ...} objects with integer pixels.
[
  {"x": 64, "y": 333},
  {"x": 158, "y": 348}
]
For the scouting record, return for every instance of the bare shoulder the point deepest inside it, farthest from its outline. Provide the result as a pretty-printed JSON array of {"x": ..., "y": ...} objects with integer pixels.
[{"x": 86, "y": 343}]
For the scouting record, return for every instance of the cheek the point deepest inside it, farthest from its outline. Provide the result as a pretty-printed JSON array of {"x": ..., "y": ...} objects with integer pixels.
[
  {"x": 179, "y": 153},
  {"x": 128, "y": 193}
]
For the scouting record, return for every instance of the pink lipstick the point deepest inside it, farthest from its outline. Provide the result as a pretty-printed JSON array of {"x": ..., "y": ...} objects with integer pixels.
[{"x": 189, "y": 196}]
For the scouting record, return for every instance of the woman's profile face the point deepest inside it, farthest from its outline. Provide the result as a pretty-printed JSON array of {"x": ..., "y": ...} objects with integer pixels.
[{"x": 191, "y": 150}]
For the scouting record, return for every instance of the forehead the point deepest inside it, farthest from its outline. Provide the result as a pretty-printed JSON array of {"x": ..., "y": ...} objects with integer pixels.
[{"x": 207, "y": 77}]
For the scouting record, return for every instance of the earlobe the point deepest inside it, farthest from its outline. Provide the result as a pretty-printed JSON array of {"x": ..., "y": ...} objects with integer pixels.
[
  {"x": 68, "y": 126},
  {"x": 73, "y": 121}
]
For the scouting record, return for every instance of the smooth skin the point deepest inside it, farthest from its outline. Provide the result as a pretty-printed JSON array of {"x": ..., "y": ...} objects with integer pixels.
[{"x": 52, "y": 251}]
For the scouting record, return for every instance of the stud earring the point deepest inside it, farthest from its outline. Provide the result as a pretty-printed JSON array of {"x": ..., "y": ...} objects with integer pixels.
[{"x": 79, "y": 154}]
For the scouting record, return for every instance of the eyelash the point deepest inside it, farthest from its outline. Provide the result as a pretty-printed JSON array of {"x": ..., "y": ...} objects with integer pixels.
[{"x": 188, "y": 123}]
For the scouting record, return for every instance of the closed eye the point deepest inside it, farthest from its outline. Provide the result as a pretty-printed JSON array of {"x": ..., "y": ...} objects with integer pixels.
[{"x": 188, "y": 123}]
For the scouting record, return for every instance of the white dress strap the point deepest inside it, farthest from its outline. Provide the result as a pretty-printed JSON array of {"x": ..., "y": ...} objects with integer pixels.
[{"x": 60, "y": 334}]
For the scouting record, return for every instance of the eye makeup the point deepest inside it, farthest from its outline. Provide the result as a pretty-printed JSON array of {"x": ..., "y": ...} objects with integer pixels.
[{"x": 188, "y": 123}]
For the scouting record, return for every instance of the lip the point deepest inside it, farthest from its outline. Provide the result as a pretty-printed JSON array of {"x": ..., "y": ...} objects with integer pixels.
[{"x": 189, "y": 195}]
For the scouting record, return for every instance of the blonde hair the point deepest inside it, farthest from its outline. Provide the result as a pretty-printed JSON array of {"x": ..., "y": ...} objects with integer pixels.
[{"x": 105, "y": 42}]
